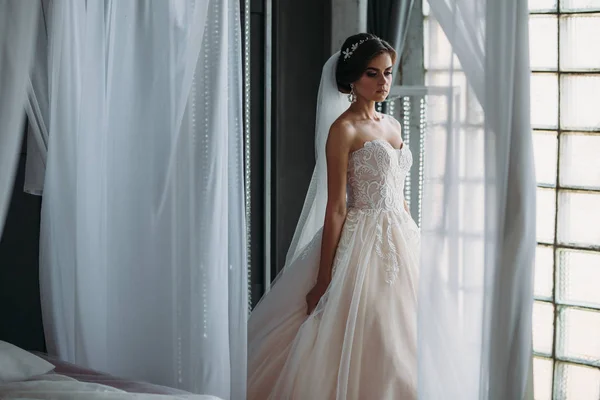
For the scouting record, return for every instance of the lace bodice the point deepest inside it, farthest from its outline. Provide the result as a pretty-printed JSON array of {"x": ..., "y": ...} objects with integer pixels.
[{"x": 376, "y": 175}]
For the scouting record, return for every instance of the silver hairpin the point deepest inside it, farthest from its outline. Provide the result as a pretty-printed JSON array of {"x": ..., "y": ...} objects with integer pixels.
[{"x": 350, "y": 50}]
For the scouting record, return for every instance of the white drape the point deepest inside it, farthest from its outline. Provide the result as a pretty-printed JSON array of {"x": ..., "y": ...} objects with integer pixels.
[
  {"x": 143, "y": 265},
  {"x": 17, "y": 32},
  {"x": 37, "y": 106},
  {"x": 479, "y": 205}
]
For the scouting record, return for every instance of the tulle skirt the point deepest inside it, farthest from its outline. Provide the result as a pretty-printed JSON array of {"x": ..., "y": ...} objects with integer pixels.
[{"x": 360, "y": 342}]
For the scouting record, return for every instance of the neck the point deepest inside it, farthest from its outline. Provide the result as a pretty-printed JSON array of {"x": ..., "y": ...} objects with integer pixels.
[{"x": 365, "y": 108}]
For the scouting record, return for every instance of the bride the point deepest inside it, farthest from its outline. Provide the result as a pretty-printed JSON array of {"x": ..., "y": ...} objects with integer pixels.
[{"x": 340, "y": 321}]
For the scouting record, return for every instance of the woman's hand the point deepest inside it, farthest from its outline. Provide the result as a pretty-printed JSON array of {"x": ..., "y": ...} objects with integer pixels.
[{"x": 313, "y": 297}]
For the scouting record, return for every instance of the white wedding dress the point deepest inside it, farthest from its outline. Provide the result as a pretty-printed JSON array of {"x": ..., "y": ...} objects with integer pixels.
[{"x": 360, "y": 342}]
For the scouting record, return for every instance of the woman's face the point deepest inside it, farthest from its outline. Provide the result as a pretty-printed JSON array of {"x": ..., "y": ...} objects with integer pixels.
[{"x": 375, "y": 82}]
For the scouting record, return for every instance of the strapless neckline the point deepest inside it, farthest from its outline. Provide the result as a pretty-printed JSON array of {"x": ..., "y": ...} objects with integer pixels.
[{"x": 371, "y": 142}]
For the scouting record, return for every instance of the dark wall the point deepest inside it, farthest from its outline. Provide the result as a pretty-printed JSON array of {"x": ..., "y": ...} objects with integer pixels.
[
  {"x": 20, "y": 310},
  {"x": 301, "y": 36},
  {"x": 300, "y": 46},
  {"x": 257, "y": 145}
]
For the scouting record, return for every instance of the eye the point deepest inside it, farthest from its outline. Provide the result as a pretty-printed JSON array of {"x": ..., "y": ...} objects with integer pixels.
[
  {"x": 371, "y": 74},
  {"x": 388, "y": 73}
]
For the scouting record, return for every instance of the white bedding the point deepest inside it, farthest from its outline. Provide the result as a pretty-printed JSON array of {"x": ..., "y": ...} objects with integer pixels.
[
  {"x": 59, "y": 387},
  {"x": 17, "y": 364}
]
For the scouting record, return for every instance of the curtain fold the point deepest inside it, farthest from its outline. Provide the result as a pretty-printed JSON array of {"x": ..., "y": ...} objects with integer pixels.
[
  {"x": 476, "y": 290},
  {"x": 17, "y": 32},
  {"x": 143, "y": 264},
  {"x": 37, "y": 106},
  {"x": 388, "y": 19},
  {"x": 507, "y": 108}
]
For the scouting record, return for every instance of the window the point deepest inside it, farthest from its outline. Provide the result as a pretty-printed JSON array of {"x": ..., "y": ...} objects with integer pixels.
[
  {"x": 565, "y": 117},
  {"x": 565, "y": 105}
]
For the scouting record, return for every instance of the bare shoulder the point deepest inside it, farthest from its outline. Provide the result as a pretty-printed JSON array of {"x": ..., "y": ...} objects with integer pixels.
[
  {"x": 341, "y": 134},
  {"x": 395, "y": 123}
]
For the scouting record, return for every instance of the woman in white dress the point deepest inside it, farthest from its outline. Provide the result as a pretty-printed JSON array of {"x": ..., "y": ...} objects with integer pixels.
[{"x": 355, "y": 252}]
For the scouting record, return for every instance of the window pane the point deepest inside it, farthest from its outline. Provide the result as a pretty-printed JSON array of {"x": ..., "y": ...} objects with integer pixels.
[
  {"x": 578, "y": 335},
  {"x": 579, "y": 218},
  {"x": 545, "y": 150},
  {"x": 579, "y": 101},
  {"x": 435, "y": 154},
  {"x": 579, "y": 277},
  {"x": 546, "y": 207},
  {"x": 578, "y": 36},
  {"x": 579, "y": 5},
  {"x": 542, "y": 5},
  {"x": 471, "y": 197},
  {"x": 471, "y": 141},
  {"x": 542, "y": 378},
  {"x": 544, "y": 262},
  {"x": 543, "y": 327},
  {"x": 437, "y": 51},
  {"x": 544, "y": 100},
  {"x": 462, "y": 93},
  {"x": 579, "y": 160},
  {"x": 543, "y": 42},
  {"x": 575, "y": 382}
]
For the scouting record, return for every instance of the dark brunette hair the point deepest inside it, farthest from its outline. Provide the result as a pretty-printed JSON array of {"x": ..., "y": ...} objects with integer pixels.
[{"x": 355, "y": 55}]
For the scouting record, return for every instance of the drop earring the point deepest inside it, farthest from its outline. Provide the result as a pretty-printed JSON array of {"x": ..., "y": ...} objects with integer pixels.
[{"x": 352, "y": 95}]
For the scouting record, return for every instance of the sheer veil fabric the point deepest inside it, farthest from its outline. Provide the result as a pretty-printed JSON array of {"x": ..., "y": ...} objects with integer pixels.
[
  {"x": 297, "y": 277},
  {"x": 307, "y": 236}
]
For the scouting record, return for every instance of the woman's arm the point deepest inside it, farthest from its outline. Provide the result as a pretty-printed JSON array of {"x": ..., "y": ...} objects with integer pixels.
[{"x": 337, "y": 151}]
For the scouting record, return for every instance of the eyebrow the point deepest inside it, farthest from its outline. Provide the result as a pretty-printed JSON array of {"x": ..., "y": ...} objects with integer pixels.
[{"x": 375, "y": 69}]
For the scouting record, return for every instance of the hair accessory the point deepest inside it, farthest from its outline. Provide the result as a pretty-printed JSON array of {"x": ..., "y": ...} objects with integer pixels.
[{"x": 350, "y": 50}]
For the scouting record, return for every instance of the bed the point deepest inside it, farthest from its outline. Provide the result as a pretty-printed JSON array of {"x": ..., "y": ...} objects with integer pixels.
[{"x": 25, "y": 375}]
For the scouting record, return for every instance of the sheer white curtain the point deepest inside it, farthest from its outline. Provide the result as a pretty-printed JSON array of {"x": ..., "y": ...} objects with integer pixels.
[
  {"x": 143, "y": 265},
  {"x": 37, "y": 105},
  {"x": 17, "y": 32},
  {"x": 478, "y": 206}
]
